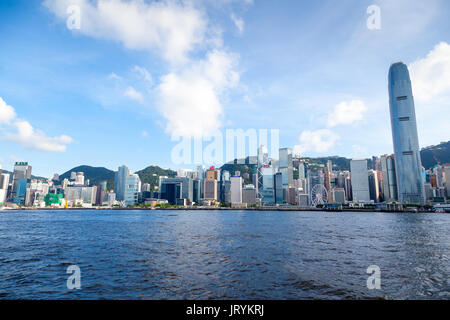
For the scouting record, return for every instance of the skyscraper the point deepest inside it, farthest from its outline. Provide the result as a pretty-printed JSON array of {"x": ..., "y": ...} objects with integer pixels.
[
  {"x": 120, "y": 181},
  {"x": 389, "y": 178},
  {"x": 278, "y": 187},
  {"x": 132, "y": 186},
  {"x": 286, "y": 167},
  {"x": 236, "y": 190},
  {"x": 408, "y": 164},
  {"x": 21, "y": 171}
]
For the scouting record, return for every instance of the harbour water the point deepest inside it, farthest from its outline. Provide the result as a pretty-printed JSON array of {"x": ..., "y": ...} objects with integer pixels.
[{"x": 223, "y": 254}]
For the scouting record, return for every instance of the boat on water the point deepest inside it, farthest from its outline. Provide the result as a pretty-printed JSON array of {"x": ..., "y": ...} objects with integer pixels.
[{"x": 442, "y": 208}]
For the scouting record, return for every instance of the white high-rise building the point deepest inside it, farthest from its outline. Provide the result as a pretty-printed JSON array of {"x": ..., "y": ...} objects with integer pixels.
[
  {"x": 236, "y": 189},
  {"x": 132, "y": 189}
]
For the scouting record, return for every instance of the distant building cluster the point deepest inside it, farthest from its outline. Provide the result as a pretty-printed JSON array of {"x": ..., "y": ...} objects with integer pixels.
[
  {"x": 391, "y": 180},
  {"x": 76, "y": 191}
]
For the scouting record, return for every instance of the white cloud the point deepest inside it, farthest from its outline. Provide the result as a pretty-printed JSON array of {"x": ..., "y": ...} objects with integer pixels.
[
  {"x": 430, "y": 76},
  {"x": 170, "y": 28},
  {"x": 316, "y": 141},
  {"x": 114, "y": 76},
  {"x": 238, "y": 22},
  {"x": 189, "y": 96},
  {"x": 190, "y": 99},
  {"x": 27, "y": 136},
  {"x": 144, "y": 133},
  {"x": 30, "y": 138},
  {"x": 347, "y": 113},
  {"x": 134, "y": 94},
  {"x": 7, "y": 112},
  {"x": 144, "y": 73}
]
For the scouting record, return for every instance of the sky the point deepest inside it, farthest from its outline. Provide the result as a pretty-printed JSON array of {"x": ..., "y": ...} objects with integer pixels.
[{"x": 112, "y": 82}]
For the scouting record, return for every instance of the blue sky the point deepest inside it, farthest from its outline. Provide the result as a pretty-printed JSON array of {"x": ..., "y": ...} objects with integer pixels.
[{"x": 138, "y": 73}]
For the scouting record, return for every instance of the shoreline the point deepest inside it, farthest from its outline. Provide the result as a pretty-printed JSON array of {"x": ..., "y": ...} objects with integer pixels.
[{"x": 288, "y": 209}]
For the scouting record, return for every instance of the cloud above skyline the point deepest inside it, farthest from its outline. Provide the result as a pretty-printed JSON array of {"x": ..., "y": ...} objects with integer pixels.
[
  {"x": 316, "y": 141},
  {"x": 190, "y": 100},
  {"x": 172, "y": 29},
  {"x": 22, "y": 132},
  {"x": 430, "y": 76},
  {"x": 189, "y": 96},
  {"x": 133, "y": 94},
  {"x": 7, "y": 112},
  {"x": 346, "y": 113}
]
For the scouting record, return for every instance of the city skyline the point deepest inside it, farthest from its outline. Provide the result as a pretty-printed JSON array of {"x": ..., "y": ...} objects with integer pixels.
[{"x": 94, "y": 93}]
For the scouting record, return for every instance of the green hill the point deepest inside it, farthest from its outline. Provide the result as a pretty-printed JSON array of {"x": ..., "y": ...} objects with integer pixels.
[
  {"x": 434, "y": 155},
  {"x": 95, "y": 175},
  {"x": 151, "y": 175}
]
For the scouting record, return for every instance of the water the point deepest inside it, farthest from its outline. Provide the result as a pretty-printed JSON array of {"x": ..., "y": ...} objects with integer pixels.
[{"x": 223, "y": 255}]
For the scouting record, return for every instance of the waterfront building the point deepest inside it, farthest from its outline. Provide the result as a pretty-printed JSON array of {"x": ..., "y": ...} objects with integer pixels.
[
  {"x": 120, "y": 181},
  {"x": 4, "y": 183},
  {"x": 249, "y": 195},
  {"x": 338, "y": 195},
  {"x": 360, "y": 180},
  {"x": 132, "y": 189},
  {"x": 80, "y": 195},
  {"x": 36, "y": 191},
  {"x": 291, "y": 195},
  {"x": 21, "y": 171},
  {"x": 447, "y": 178},
  {"x": 374, "y": 186},
  {"x": 111, "y": 199},
  {"x": 196, "y": 189},
  {"x": 210, "y": 190},
  {"x": 389, "y": 178},
  {"x": 303, "y": 200},
  {"x": 267, "y": 190},
  {"x": 236, "y": 190},
  {"x": 348, "y": 186},
  {"x": 428, "y": 191},
  {"x": 101, "y": 193},
  {"x": 175, "y": 188},
  {"x": 408, "y": 165},
  {"x": 278, "y": 187}
]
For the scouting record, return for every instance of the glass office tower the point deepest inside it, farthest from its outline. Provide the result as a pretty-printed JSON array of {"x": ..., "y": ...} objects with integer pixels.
[{"x": 408, "y": 164}]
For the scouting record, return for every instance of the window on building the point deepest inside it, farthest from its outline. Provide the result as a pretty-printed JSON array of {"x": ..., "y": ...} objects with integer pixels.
[
  {"x": 402, "y": 98},
  {"x": 403, "y": 118},
  {"x": 407, "y": 153}
]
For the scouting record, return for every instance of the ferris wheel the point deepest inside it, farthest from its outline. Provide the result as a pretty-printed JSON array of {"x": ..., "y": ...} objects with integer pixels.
[{"x": 319, "y": 195}]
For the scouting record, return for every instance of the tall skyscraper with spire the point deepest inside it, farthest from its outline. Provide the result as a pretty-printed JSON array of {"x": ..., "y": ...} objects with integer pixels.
[{"x": 408, "y": 164}]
